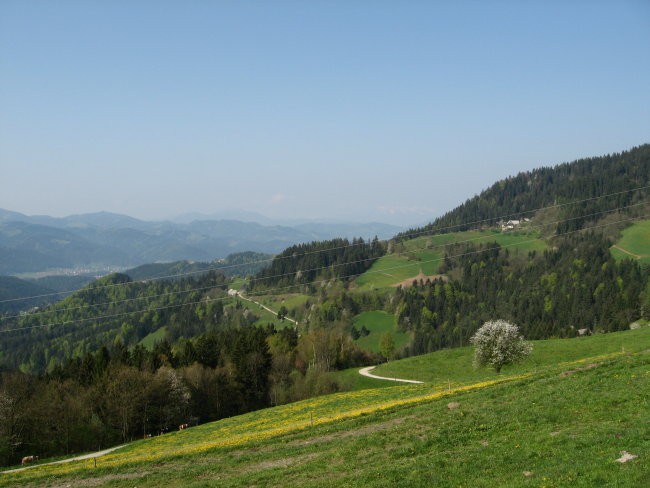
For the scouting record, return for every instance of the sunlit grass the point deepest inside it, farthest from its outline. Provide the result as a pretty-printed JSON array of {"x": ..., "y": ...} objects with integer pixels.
[
  {"x": 379, "y": 323},
  {"x": 425, "y": 254},
  {"x": 560, "y": 420},
  {"x": 636, "y": 241}
]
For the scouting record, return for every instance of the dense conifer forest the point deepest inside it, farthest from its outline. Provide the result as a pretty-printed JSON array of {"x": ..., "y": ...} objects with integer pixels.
[
  {"x": 321, "y": 260},
  {"x": 585, "y": 179}
]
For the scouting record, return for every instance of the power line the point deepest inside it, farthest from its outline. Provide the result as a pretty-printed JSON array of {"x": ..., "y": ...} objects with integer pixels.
[
  {"x": 532, "y": 211},
  {"x": 209, "y": 300},
  {"x": 218, "y": 268},
  {"x": 312, "y": 269}
]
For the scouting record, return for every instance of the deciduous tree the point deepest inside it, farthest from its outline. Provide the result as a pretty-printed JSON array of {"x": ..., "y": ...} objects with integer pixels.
[{"x": 498, "y": 343}]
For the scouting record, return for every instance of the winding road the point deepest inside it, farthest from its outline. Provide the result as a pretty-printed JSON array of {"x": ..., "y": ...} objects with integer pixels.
[{"x": 366, "y": 372}]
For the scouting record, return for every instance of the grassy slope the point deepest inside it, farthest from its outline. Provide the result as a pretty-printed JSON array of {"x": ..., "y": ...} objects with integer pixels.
[
  {"x": 265, "y": 317},
  {"x": 635, "y": 240},
  {"x": 378, "y": 323},
  {"x": 156, "y": 336},
  {"x": 565, "y": 430},
  {"x": 274, "y": 302},
  {"x": 456, "y": 364},
  {"x": 426, "y": 254}
]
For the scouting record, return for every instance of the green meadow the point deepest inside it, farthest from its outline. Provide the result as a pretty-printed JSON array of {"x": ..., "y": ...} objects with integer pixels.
[
  {"x": 425, "y": 255},
  {"x": 156, "y": 336},
  {"x": 562, "y": 419},
  {"x": 634, "y": 243},
  {"x": 455, "y": 365},
  {"x": 289, "y": 300},
  {"x": 379, "y": 323}
]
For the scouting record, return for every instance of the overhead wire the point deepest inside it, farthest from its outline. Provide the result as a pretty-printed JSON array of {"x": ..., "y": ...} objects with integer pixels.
[
  {"x": 347, "y": 263},
  {"x": 209, "y": 300},
  {"x": 411, "y": 235}
]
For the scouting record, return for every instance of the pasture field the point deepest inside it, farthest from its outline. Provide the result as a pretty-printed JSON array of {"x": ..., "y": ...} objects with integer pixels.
[
  {"x": 634, "y": 243},
  {"x": 265, "y": 317},
  {"x": 392, "y": 269},
  {"x": 237, "y": 283},
  {"x": 379, "y": 322},
  {"x": 518, "y": 241},
  {"x": 455, "y": 364},
  {"x": 425, "y": 255},
  {"x": 274, "y": 302},
  {"x": 156, "y": 336},
  {"x": 289, "y": 300},
  {"x": 560, "y": 424}
]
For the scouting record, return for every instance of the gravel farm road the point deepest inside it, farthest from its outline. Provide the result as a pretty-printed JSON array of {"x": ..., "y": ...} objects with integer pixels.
[
  {"x": 77, "y": 458},
  {"x": 366, "y": 372}
]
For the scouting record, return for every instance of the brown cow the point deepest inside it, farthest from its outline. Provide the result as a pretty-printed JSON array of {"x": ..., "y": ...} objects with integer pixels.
[
  {"x": 183, "y": 426},
  {"x": 29, "y": 459}
]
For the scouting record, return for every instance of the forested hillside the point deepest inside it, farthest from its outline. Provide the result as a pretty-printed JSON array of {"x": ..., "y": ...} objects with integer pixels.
[
  {"x": 236, "y": 264},
  {"x": 305, "y": 263},
  {"x": 192, "y": 350},
  {"x": 585, "y": 179},
  {"x": 112, "y": 309},
  {"x": 13, "y": 289},
  {"x": 576, "y": 285}
]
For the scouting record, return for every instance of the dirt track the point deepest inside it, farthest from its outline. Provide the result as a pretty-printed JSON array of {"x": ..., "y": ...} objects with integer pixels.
[
  {"x": 366, "y": 372},
  {"x": 69, "y": 460}
]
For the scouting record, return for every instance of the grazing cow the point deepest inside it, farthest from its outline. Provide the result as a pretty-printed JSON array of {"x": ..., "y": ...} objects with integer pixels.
[
  {"x": 183, "y": 426},
  {"x": 147, "y": 436},
  {"x": 29, "y": 459}
]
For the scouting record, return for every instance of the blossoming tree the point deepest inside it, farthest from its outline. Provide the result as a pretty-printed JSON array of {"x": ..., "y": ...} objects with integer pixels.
[{"x": 498, "y": 343}]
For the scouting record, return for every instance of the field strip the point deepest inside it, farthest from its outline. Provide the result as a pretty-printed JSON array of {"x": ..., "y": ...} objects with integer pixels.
[
  {"x": 636, "y": 256},
  {"x": 240, "y": 295}
]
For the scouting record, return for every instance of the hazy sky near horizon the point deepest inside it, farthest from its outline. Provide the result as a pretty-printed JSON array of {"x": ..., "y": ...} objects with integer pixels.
[{"x": 355, "y": 110}]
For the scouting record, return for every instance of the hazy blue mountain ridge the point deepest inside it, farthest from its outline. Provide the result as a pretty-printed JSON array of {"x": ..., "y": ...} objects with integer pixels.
[{"x": 40, "y": 243}]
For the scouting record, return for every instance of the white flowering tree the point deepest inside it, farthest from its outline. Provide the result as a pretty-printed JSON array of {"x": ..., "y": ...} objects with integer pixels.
[{"x": 498, "y": 343}]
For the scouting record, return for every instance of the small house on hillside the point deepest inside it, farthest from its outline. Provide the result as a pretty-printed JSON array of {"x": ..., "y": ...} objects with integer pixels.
[
  {"x": 513, "y": 224},
  {"x": 510, "y": 225}
]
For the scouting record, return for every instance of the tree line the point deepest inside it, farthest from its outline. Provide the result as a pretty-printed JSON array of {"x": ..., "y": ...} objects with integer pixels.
[
  {"x": 574, "y": 285},
  {"x": 119, "y": 394},
  {"x": 319, "y": 260}
]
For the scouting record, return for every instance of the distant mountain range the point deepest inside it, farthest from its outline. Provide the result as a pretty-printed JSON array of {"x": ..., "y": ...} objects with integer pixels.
[{"x": 104, "y": 240}]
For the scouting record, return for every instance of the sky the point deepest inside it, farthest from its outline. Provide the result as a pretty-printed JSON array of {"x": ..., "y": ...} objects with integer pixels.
[{"x": 342, "y": 110}]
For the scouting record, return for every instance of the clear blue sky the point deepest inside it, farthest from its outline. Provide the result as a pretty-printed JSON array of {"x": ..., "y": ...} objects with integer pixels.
[{"x": 356, "y": 110}]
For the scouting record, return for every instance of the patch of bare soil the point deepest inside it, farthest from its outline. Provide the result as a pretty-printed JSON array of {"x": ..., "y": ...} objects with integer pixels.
[
  {"x": 420, "y": 277},
  {"x": 584, "y": 368}
]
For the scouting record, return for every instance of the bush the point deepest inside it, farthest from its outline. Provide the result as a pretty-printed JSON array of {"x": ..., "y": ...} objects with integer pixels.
[{"x": 498, "y": 343}]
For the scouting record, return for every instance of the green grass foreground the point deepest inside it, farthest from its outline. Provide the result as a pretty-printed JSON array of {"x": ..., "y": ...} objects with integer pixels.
[
  {"x": 560, "y": 421},
  {"x": 455, "y": 365}
]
